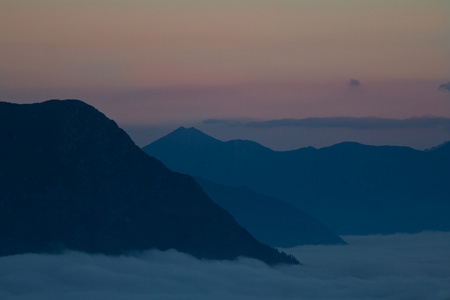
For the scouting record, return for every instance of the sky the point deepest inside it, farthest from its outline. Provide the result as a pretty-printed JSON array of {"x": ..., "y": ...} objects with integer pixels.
[
  {"x": 392, "y": 267},
  {"x": 155, "y": 65}
]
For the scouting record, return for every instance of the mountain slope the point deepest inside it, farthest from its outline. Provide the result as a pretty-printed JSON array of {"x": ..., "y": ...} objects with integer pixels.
[
  {"x": 352, "y": 188},
  {"x": 70, "y": 178},
  {"x": 271, "y": 221}
]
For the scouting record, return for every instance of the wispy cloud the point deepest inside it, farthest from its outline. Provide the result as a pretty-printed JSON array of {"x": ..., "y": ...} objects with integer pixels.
[
  {"x": 228, "y": 122},
  {"x": 343, "y": 122},
  {"x": 402, "y": 266}
]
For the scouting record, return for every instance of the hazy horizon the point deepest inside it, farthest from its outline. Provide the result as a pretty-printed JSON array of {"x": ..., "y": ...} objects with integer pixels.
[{"x": 283, "y": 135}]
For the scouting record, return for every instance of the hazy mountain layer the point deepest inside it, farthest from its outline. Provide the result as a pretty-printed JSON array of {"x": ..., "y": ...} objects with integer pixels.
[
  {"x": 70, "y": 178},
  {"x": 352, "y": 188},
  {"x": 269, "y": 220}
]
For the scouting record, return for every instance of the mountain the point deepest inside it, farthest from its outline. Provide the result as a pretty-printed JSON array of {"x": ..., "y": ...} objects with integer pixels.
[
  {"x": 70, "y": 178},
  {"x": 190, "y": 151},
  {"x": 269, "y": 220},
  {"x": 350, "y": 187}
]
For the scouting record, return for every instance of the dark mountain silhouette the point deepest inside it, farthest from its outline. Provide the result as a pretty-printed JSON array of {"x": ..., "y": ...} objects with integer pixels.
[
  {"x": 352, "y": 188},
  {"x": 71, "y": 179},
  {"x": 269, "y": 220}
]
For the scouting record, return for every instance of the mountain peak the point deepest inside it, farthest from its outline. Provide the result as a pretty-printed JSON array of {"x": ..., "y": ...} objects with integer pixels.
[
  {"x": 188, "y": 131},
  {"x": 183, "y": 136},
  {"x": 192, "y": 137}
]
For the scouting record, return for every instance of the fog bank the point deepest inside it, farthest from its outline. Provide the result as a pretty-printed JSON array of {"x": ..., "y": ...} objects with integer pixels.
[{"x": 401, "y": 266}]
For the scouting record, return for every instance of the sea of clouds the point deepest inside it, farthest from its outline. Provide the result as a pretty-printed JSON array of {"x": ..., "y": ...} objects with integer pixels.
[{"x": 400, "y": 266}]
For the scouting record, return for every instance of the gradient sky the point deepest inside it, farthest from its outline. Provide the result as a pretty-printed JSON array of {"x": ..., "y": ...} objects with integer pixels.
[{"x": 152, "y": 64}]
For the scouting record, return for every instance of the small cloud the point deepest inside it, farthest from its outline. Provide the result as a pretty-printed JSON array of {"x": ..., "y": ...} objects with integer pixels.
[
  {"x": 445, "y": 87},
  {"x": 354, "y": 82}
]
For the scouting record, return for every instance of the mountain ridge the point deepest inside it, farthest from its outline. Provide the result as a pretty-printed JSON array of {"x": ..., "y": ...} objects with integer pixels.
[
  {"x": 351, "y": 187},
  {"x": 72, "y": 179}
]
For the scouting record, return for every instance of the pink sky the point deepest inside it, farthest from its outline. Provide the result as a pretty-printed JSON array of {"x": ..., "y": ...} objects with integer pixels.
[{"x": 157, "y": 63}]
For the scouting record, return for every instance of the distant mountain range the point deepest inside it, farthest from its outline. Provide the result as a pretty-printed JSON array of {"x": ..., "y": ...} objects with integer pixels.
[
  {"x": 71, "y": 179},
  {"x": 269, "y": 220},
  {"x": 352, "y": 188}
]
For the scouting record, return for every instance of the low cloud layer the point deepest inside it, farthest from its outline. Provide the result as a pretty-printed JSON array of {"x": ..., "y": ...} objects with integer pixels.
[
  {"x": 344, "y": 122},
  {"x": 398, "y": 266},
  {"x": 445, "y": 87}
]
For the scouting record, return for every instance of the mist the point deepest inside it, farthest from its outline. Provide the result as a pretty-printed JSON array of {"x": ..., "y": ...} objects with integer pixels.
[{"x": 400, "y": 266}]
